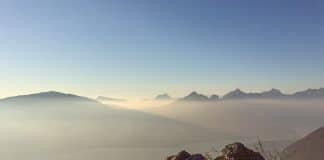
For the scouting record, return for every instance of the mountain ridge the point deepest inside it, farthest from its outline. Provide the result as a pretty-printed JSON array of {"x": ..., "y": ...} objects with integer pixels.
[
  {"x": 273, "y": 93},
  {"x": 194, "y": 96}
]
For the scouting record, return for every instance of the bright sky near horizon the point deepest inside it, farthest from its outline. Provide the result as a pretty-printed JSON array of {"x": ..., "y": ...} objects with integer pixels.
[{"x": 138, "y": 49}]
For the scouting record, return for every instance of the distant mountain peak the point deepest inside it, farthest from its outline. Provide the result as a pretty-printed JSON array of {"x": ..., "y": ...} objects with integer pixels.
[
  {"x": 238, "y": 91},
  {"x": 236, "y": 94},
  {"x": 195, "y": 96},
  {"x": 194, "y": 93},
  {"x": 164, "y": 96},
  {"x": 48, "y": 95},
  {"x": 310, "y": 93},
  {"x": 272, "y": 93}
]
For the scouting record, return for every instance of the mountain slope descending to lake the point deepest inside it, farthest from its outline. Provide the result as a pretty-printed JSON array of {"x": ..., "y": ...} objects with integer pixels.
[{"x": 308, "y": 148}]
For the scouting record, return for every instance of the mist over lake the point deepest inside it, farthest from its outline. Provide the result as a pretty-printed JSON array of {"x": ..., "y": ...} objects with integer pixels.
[{"x": 56, "y": 126}]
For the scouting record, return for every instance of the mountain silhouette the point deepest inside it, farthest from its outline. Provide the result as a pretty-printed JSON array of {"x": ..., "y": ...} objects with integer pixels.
[
  {"x": 194, "y": 96},
  {"x": 274, "y": 94},
  {"x": 236, "y": 94},
  {"x": 163, "y": 97},
  {"x": 50, "y": 95},
  {"x": 310, "y": 93}
]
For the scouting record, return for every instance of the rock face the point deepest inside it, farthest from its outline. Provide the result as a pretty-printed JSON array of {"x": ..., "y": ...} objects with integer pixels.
[
  {"x": 237, "y": 151},
  {"x": 184, "y": 155}
]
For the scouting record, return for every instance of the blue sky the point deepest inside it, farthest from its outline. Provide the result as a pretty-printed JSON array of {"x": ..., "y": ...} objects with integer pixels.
[{"x": 127, "y": 48}]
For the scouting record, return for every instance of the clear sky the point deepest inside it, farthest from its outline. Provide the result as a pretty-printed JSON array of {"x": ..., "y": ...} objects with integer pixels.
[{"x": 137, "y": 49}]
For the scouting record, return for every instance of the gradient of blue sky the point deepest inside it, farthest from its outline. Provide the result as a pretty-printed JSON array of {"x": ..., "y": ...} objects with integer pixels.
[{"x": 127, "y": 48}]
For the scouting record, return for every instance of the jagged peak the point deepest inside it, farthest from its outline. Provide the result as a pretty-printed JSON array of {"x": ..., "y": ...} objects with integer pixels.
[{"x": 194, "y": 96}]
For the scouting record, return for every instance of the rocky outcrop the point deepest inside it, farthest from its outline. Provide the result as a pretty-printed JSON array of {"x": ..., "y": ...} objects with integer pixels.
[
  {"x": 196, "y": 157},
  {"x": 184, "y": 155},
  {"x": 237, "y": 151}
]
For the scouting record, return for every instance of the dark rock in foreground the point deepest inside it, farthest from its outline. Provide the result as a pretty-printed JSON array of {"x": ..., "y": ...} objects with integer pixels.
[
  {"x": 196, "y": 157},
  {"x": 235, "y": 151},
  {"x": 184, "y": 155}
]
